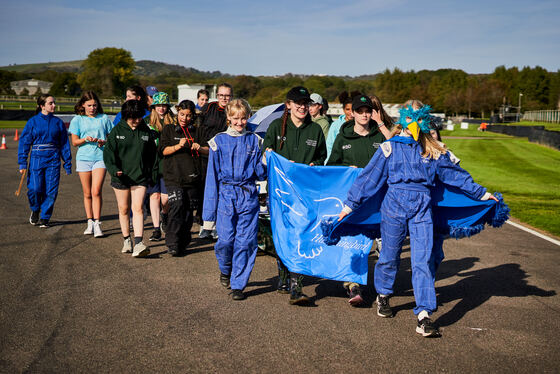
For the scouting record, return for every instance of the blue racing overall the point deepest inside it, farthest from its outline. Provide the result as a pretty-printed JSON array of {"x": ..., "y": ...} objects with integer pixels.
[
  {"x": 47, "y": 138},
  {"x": 407, "y": 207},
  {"x": 231, "y": 201}
]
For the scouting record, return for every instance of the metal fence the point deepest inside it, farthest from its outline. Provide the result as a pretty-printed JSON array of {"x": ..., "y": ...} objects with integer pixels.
[{"x": 542, "y": 116}]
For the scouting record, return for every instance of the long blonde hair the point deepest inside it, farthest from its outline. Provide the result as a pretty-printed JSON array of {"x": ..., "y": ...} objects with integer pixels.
[{"x": 156, "y": 122}]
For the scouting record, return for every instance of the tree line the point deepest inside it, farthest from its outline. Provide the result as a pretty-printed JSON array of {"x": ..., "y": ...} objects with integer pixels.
[{"x": 108, "y": 71}]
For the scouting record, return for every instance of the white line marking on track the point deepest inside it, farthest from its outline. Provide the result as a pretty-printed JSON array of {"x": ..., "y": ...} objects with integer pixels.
[{"x": 554, "y": 241}]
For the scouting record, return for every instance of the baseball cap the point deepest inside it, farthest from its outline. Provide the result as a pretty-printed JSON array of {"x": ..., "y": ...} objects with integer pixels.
[
  {"x": 298, "y": 93},
  {"x": 360, "y": 101},
  {"x": 151, "y": 90},
  {"x": 316, "y": 98}
]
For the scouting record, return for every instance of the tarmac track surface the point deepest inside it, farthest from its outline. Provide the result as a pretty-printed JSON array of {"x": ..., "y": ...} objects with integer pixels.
[{"x": 73, "y": 303}]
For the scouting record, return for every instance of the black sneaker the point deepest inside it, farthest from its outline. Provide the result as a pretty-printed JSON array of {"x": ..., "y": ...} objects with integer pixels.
[
  {"x": 426, "y": 328},
  {"x": 43, "y": 223},
  {"x": 34, "y": 218},
  {"x": 156, "y": 235},
  {"x": 355, "y": 296},
  {"x": 383, "y": 308},
  {"x": 224, "y": 281},
  {"x": 283, "y": 286},
  {"x": 298, "y": 298},
  {"x": 237, "y": 295},
  {"x": 173, "y": 251}
]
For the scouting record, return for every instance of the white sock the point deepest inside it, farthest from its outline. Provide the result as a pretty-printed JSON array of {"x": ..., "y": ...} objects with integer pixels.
[{"x": 423, "y": 314}]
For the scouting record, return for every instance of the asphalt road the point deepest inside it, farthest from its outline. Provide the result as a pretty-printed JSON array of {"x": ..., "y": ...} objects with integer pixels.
[{"x": 73, "y": 303}]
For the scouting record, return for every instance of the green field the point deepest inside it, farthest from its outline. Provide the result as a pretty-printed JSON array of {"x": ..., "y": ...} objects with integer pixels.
[
  {"x": 12, "y": 124},
  {"x": 33, "y": 106},
  {"x": 527, "y": 174},
  {"x": 26, "y": 105}
]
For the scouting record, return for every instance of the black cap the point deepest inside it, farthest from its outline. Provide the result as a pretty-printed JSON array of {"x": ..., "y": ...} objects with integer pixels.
[
  {"x": 298, "y": 93},
  {"x": 360, "y": 101}
]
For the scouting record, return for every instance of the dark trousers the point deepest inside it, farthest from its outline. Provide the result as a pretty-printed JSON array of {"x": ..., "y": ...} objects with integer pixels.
[{"x": 179, "y": 219}]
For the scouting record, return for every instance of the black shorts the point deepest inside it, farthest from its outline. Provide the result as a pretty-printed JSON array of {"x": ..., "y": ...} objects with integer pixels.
[{"x": 121, "y": 186}]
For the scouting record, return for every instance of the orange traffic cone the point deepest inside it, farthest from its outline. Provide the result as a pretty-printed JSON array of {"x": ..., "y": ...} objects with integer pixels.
[
  {"x": 3, "y": 142},
  {"x": 16, "y": 137}
]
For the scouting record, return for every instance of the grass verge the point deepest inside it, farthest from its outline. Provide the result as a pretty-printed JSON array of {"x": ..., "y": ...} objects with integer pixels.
[
  {"x": 12, "y": 124},
  {"x": 527, "y": 174}
]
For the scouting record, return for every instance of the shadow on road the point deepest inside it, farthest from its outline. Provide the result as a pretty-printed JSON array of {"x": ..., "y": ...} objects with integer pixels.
[
  {"x": 474, "y": 289},
  {"x": 478, "y": 286}
]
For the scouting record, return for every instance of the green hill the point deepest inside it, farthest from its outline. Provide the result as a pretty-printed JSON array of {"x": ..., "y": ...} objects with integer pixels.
[
  {"x": 144, "y": 68},
  {"x": 62, "y": 67}
]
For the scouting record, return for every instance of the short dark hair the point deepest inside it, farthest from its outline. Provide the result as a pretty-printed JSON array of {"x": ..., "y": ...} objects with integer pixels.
[
  {"x": 139, "y": 91},
  {"x": 202, "y": 92},
  {"x": 132, "y": 109},
  {"x": 186, "y": 104},
  {"x": 227, "y": 85}
]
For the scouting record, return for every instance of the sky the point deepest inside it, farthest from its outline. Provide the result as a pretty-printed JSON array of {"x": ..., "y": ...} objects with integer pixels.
[{"x": 345, "y": 37}]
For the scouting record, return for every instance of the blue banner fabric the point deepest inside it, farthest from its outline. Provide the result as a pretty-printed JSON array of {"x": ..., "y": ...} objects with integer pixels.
[
  {"x": 301, "y": 197},
  {"x": 305, "y": 202}
]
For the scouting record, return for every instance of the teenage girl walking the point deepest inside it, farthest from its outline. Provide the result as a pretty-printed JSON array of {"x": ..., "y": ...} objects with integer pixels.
[
  {"x": 45, "y": 135},
  {"x": 296, "y": 137},
  {"x": 409, "y": 163},
  {"x": 89, "y": 129}
]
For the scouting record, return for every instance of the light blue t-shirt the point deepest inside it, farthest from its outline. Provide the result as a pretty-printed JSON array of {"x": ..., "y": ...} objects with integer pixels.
[
  {"x": 98, "y": 127},
  {"x": 333, "y": 132}
]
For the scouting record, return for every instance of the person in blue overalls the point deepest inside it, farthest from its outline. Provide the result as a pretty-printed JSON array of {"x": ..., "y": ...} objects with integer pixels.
[
  {"x": 231, "y": 198},
  {"x": 409, "y": 163},
  {"x": 46, "y": 136}
]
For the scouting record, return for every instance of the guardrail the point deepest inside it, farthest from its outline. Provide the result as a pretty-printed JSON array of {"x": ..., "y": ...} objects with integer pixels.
[{"x": 552, "y": 116}]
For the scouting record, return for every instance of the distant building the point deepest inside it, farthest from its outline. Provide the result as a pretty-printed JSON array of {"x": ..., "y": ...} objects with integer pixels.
[
  {"x": 31, "y": 85},
  {"x": 189, "y": 91}
]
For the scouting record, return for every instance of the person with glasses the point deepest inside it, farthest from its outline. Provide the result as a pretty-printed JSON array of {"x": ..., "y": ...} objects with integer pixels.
[
  {"x": 212, "y": 122},
  {"x": 296, "y": 137}
]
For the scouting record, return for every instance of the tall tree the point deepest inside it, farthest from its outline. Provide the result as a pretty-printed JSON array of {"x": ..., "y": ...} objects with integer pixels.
[
  {"x": 65, "y": 85},
  {"x": 108, "y": 71}
]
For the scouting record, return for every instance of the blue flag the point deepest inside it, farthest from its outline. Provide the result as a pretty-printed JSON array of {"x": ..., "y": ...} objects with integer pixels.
[
  {"x": 301, "y": 197},
  {"x": 305, "y": 202}
]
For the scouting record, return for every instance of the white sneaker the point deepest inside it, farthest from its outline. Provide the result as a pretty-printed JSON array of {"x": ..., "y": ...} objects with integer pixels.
[
  {"x": 97, "y": 233},
  {"x": 127, "y": 246},
  {"x": 140, "y": 250},
  {"x": 89, "y": 229}
]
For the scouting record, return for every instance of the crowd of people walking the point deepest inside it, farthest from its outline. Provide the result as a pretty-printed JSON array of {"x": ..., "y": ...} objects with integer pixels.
[{"x": 196, "y": 162}]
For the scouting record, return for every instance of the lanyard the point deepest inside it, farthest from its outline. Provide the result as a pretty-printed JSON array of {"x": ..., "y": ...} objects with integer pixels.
[{"x": 189, "y": 138}]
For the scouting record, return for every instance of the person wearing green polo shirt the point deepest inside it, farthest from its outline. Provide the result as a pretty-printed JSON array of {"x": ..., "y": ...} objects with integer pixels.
[
  {"x": 354, "y": 146},
  {"x": 296, "y": 137}
]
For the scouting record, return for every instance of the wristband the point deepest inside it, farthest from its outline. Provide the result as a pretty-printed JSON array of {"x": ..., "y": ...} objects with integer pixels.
[{"x": 380, "y": 124}]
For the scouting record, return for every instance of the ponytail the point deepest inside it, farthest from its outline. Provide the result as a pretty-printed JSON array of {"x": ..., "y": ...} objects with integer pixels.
[
  {"x": 41, "y": 100},
  {"x": 284, "y": 123}
]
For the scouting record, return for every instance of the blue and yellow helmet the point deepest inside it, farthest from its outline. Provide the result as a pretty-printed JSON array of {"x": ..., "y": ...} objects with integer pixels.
[{"x": 416, "y": 120}]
